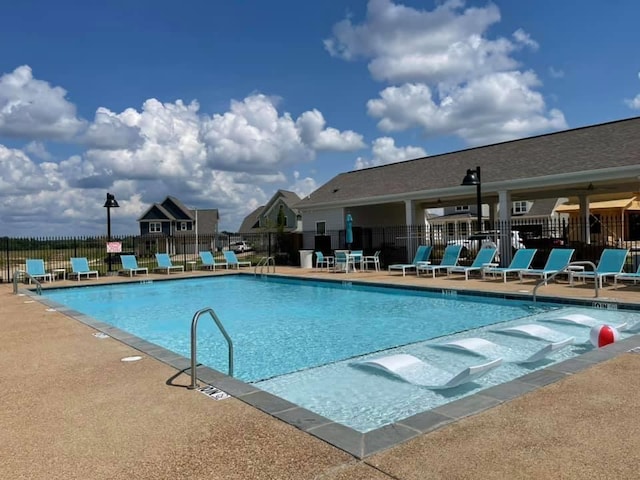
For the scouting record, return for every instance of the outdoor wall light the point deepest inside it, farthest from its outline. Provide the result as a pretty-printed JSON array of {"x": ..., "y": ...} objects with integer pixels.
[{"x": 470, "y": 179}]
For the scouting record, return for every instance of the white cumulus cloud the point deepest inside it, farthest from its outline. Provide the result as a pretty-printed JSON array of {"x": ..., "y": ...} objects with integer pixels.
[
  {"x": 33, "y": 109},
  {"x": 385, "y": 151}
]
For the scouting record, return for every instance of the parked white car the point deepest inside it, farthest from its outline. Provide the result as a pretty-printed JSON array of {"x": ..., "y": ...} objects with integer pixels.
[
  {"x": 476, "y": 241},
  {"x": 240, "y": 247}
]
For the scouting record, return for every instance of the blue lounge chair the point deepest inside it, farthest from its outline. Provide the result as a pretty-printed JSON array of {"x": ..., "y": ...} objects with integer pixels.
[
  {"x": 36, "y": 270},
  {"x": 557, "y": 260},
  {"x": 209, "y": 261},
  {"x": 232, "y": 260},
  {"x": 421, "y": 257},
  {"x": 449, "y": 259},
  {"x": 483, "y": 259},
  {"x": 130, "y": 266},
  {"x": 521, "y": 261},
  {"x": 635, "y": 276},
  {"x": 80, "y": 268},
  {"x": 610, "y": 264},
  {"x": 165, "y": 265}
]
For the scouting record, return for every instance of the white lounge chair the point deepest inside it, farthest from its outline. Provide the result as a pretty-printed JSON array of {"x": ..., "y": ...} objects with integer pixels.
[
  {"x": 413, "y": 370},
  {"x": 580, "y": 320},
  {"x": 486, "y": 348},
  {"x": 533, "y": 330}
]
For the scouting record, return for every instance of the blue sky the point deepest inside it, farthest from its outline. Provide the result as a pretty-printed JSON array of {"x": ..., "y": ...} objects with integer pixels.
[{"x": 223, "y": 103}]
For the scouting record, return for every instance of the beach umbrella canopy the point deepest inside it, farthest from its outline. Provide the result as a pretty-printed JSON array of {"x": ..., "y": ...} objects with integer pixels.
[{"x": 349, "y": 232}]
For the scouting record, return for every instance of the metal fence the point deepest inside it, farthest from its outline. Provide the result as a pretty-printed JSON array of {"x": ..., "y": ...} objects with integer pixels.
[{"x": 397, "y": 244}]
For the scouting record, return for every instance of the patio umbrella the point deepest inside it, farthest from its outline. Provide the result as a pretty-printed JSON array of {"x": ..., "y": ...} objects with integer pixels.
[{"x": 348, "y": 236}]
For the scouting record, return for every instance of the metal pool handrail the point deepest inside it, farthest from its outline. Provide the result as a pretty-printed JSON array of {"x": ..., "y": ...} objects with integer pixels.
[
  {"x": 265, "y": 262},
  {"x": 565, "y": 269},
  {"x": 194, "y": 327},
  {"x": 22, "y": 273}
]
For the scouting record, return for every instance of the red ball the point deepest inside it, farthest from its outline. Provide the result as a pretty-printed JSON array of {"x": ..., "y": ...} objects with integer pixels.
[{"x": 602, "y": 335}]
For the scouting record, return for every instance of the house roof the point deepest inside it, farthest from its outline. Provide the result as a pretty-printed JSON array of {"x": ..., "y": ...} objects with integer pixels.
[
  {"x": 250, "y": 220},
  {"x": 289, "y": 198},
  {"x": 545, "y": 160}
]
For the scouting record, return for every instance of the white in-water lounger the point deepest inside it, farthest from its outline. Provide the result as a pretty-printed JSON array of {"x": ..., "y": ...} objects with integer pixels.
[
  {"x": 580, "y": 320},
  {"x": 413, "y": 370},
  {"x": 485, "y": 348}
]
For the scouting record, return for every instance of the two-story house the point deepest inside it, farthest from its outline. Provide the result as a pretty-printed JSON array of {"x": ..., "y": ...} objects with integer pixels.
[{"x": 162, "y": 223}]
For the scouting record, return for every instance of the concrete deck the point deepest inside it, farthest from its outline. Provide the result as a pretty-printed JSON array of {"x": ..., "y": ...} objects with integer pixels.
[{"x": 71, "y": 409}]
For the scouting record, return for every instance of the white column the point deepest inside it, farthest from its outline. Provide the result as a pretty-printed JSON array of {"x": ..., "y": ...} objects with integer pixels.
[
  {"x": 504, "y": 200},
  {"x": 584, "y": 215},
  {"x": 410, "y": 221}
]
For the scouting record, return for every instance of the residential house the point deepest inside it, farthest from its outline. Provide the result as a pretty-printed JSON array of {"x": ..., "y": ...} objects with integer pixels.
[
  {"x": 534, "y": 217},
  {"x": 163, "y": 223},
  {"x": 281, "y": 207}
]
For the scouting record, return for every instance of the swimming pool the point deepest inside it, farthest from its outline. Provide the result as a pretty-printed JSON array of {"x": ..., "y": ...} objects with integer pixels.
[{"x": 302, "y": 340}]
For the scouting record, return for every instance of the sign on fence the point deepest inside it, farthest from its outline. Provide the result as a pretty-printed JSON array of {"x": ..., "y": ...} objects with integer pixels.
[{"x": 114, "y": 247}]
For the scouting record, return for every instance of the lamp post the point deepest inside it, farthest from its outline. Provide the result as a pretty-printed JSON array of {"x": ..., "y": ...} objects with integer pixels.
[
  {"x": 109, "y": 204},
  {"x": 473, "y": 178}
]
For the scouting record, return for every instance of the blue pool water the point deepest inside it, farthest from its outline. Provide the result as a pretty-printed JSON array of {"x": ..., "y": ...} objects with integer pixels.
[{"x": 301, "y": 339}]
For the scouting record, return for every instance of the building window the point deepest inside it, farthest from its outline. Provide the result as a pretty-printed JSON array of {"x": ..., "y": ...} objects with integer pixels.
[
  {"x": 462, "y": 208},
  {"x": 321, "y": 228},
  {"x": 155, "y": 227},
  {"x": 183, "y": 226},
  {"x": 463, "y": 229},
  {"x": 520, "y": 207}
]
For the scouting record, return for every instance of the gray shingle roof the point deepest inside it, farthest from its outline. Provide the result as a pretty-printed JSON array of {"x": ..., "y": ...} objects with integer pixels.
[{"x": 613, "y": 144}]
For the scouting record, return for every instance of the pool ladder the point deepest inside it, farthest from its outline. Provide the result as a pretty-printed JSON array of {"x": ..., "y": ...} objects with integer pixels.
[
  {"x": 265, "y": 262},
  {"x": 22, "y": 274},
  {"x": 566, "y": 269},
  {"x": 194, "y": 328}
]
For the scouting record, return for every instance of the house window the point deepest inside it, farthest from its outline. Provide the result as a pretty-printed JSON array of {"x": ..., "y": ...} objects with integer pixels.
[
  {"x": 462, "y": 208},
  {"x": 519, "y": 207},
  {"x": 321, "y": 228},
  {"x": 463, "y": 229},
  {"x": 155, "y": 227},
  {"x": 183, "y": 226}
]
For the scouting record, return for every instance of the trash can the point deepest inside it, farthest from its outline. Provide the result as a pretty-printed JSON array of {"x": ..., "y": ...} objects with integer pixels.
[{"x": 306, "y": 258}]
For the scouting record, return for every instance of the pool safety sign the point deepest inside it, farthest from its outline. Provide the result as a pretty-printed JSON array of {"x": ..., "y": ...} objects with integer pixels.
[
  {"x": 114, "y": 247},
  {"x": 214, "y": 392}
]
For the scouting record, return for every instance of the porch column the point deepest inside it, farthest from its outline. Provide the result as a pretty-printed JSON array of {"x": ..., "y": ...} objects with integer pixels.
[
  {"x": 584, "y": 217},
  {"x": 493, "y": 214},
  {"x": 504, "y": 199},
  {"x": 412, "y": 230}
]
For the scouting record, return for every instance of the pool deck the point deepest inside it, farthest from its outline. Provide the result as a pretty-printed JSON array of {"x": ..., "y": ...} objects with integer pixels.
[{"x": 71, "y": 409}]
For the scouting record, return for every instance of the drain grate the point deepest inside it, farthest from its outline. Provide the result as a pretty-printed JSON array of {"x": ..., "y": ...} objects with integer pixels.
[{"x": 213, "y": 392}]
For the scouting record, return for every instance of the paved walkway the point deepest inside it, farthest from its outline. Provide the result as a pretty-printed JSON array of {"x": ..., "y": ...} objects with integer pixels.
[{"x": 71, "y": 409}]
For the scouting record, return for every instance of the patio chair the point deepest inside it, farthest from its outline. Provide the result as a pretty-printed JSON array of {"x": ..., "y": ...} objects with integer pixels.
[
  {"x": 373, "y": 260},
  {"x": 449, "y": 259},
  {"x": 165, "y": 265},
  {"x": 80, "y": 268},
  {"x": 209, "y": 261},
  {"x": 324, "y": 261},
  {"x": 343, "y": 262},
  {"x": 421, "y": 257},
  {"x": 635, "y": 276},
  {"x": 521, "y": 261},
  {"x": 130, "y": 266},
  {"x": 483, "y": 259},
  {"x": 36, "y": 270},
  {"x": 232, "y": 260},
  {"x": 610, "y": 264},
  {"x": 557, "y": 260}
]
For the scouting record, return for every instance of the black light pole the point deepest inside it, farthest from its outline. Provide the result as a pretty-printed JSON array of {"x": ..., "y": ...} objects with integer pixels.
[
  {"x": 473, "y": 178},
  {"x": 109, "y": 204}
]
